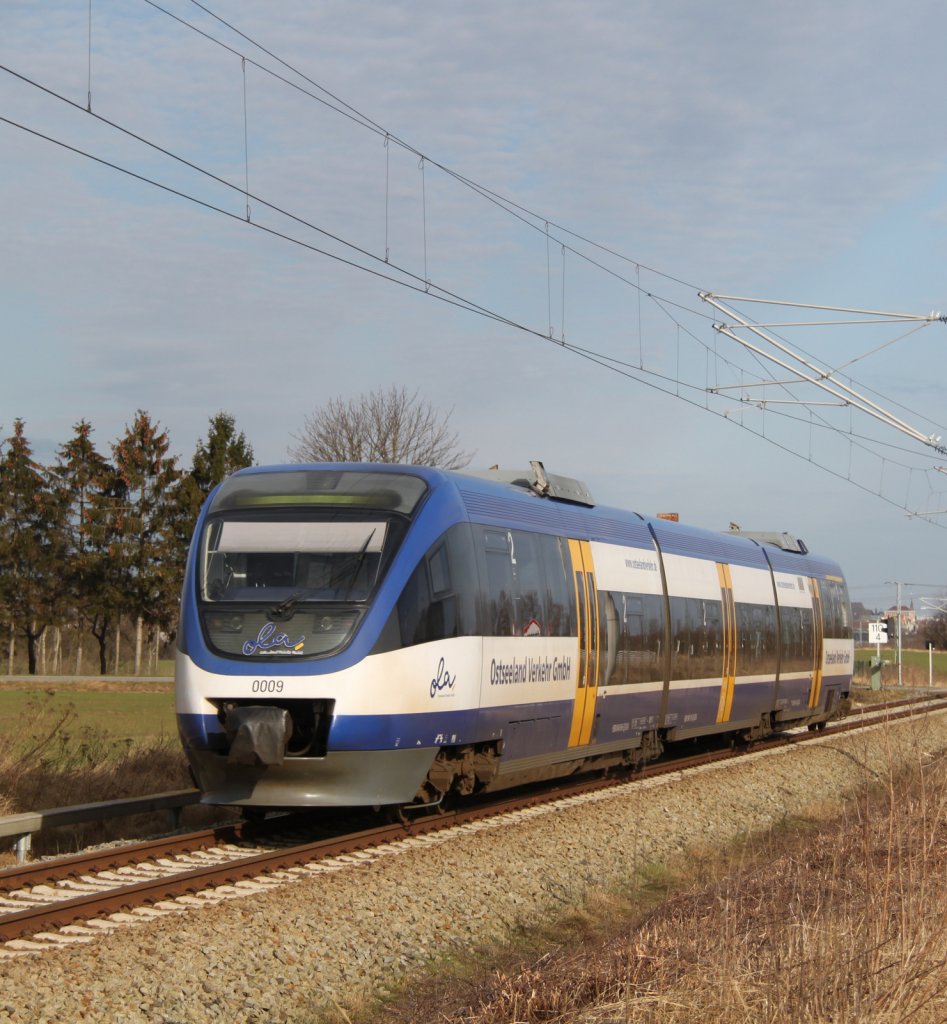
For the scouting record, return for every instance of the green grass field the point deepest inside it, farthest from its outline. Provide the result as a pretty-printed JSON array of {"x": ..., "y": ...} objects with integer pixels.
[
  {"x": 915, "y": 666},
  {"x": 118, "y": 715}
]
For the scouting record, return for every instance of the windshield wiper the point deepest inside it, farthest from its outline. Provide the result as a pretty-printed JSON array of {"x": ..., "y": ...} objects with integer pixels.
[
  {"x": 350, "y": 568},
  {"x": 284, "y": 609},
  {"x": 358, "y": 560}
]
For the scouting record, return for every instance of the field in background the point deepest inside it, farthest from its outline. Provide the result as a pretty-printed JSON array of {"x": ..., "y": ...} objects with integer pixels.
[
  {"x": 127, "y": 716},
  {"x": 915, "y": 666}
]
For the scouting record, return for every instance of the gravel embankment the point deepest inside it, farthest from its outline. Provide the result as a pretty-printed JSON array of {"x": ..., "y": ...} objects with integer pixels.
[{"x": 353, "y": 926}]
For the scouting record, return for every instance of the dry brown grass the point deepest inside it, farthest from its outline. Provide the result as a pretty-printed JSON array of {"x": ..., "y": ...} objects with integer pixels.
[{"x": 839, "y": 920}]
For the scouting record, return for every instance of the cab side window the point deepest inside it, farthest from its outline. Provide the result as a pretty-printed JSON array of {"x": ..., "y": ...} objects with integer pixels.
[{"x": 440, "y": 599}]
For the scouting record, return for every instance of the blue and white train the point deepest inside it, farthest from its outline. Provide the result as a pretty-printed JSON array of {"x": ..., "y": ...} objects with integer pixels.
[{"x": 359, "y": 634}]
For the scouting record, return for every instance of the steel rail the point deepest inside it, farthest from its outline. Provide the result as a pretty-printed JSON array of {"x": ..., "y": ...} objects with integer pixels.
[{"x": 56, "y": 869}]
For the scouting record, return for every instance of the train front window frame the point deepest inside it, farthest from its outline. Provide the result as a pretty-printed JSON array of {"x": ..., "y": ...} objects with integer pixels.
[{"x": 290, "y": 582}]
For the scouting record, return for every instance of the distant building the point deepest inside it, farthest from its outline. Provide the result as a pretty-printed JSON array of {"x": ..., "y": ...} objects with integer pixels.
[{"x": 907, "y": 615}]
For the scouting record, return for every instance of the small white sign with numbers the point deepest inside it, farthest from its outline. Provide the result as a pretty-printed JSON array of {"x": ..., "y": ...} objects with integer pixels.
[{"x": 877, "y": 632}]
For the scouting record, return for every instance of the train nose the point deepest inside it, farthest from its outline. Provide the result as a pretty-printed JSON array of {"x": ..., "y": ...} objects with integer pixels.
[{"x": 258, "y": 735}]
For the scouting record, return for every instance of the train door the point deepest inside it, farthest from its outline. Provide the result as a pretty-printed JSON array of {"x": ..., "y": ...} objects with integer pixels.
[
  {"x": 818, "y": 635},
  {"x": 586, "y": 689},
  {"x": 729, "y": 667}
]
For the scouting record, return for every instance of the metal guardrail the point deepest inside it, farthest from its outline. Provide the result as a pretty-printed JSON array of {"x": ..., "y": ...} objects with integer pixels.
[{"x": 21, "y": 827}]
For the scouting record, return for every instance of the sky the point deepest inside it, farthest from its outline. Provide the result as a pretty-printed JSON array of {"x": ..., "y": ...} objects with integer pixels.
[{"x": 578, "y": 174}]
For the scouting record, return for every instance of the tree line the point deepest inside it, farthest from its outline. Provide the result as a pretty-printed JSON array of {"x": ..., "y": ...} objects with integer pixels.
[{"x": 92, "y": 547}]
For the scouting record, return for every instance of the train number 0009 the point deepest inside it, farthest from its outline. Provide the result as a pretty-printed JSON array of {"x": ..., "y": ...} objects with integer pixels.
[{"x": 267, "y": 686}]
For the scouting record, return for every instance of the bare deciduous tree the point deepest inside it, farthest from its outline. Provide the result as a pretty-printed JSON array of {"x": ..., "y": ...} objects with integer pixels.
[{"x": 382, "y": 426}]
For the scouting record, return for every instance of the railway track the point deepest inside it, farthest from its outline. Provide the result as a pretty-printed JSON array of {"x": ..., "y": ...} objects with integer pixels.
[{"x": 47, "y": 904}]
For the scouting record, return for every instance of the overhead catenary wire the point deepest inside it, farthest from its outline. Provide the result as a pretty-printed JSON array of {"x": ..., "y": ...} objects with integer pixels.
[
  {"x": 89, "y": 75},
  {"x": 441, "y": 294},
  {"x": 308, "y": 224},
  {"x": 421, "y": 283},
  {"x": 402, "y": 275},
  {"x": 246, "y": 139},
  {"x": 643, "y": 376},
  {"x": 528, "y": 217}
]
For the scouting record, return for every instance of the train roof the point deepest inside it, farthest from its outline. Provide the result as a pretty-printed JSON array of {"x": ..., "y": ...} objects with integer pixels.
[{"x": 579, "y": 515}]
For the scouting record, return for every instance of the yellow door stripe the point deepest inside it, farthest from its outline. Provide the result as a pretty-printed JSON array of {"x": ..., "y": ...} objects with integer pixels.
[
  {"x": 815, "y": 694},
  {"x": 729, "y": 659},
  {"x": 591, "y": 688},
  {"x": 578, "y": 579},
  {"x": 586, "y": 600}
]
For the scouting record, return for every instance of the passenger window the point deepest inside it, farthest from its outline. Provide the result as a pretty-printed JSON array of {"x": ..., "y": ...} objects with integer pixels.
[
  {"x": 640, "y": 655},
  {"x": 796, "y": 639},
  {"x": 836, "y": 610},
  {"x": 529, "y": 586},
  {"x": 530, "y": 615},
  {"x": 559, "y": 590},
  {"x": 499, "y": 555},
  {"x": 756, "y": 638},
  {"x": 696, "y": 638}
]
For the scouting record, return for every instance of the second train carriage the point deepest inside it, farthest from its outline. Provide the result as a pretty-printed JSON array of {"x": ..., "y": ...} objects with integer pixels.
[{"x": 366, "y": 635}]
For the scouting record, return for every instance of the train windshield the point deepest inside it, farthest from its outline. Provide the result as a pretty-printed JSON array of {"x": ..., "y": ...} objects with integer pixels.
[
  {"x": 288, "y": 562},
  {"x": 279, "y": 562}
]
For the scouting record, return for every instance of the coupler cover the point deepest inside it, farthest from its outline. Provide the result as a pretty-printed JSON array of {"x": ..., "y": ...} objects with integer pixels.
[{"x": 258, "y": 735}]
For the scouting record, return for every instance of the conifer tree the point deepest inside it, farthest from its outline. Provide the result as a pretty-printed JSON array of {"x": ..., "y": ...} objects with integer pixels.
[
  {"x": 89, "y": 492},
  {"x": 30, "y": 544},
  {"x": 144, "y": 543},
  {"x": 224, "y": 452}
]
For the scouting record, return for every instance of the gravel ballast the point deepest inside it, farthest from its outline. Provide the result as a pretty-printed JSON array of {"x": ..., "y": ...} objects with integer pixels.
[{"x": 279, "y": 950}]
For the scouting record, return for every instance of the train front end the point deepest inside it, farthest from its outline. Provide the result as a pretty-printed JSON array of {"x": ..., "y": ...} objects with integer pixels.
[{"x": 291, "y": 579}]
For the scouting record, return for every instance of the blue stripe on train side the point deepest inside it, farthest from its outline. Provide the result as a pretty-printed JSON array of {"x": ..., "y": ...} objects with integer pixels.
[{"x": 394, "y": 732}]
